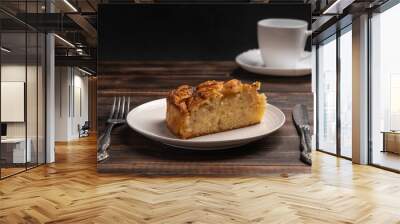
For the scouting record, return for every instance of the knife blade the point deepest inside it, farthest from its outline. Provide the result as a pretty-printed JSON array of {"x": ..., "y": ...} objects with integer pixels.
[{"x": 302, "y": 123}]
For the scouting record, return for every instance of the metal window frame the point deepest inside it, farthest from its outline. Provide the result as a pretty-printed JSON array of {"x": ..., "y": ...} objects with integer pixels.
[
  {"x": 381, "y": 9},
  {"x": 44, "y": 73},
  {"x": 339, "y": 32}
]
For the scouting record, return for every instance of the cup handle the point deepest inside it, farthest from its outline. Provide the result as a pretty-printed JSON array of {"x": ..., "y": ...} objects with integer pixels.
[{"x": 306, "y": 54}]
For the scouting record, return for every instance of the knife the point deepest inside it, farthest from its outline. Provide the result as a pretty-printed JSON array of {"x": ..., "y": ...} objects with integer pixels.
[{"x": 300, "y": 118}]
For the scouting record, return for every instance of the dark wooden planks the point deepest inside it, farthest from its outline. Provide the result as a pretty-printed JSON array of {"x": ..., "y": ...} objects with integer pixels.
[{"x": 146, "y": 81}]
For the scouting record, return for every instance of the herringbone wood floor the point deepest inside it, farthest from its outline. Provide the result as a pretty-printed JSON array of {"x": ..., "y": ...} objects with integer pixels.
[{"x": 70, "y": 191}]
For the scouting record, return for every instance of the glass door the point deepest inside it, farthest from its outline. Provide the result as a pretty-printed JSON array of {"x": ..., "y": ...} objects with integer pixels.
[{"x": 326, "y": 96}]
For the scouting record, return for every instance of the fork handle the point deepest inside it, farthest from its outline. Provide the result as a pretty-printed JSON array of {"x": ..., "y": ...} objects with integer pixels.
[
  {"x": 104, "y": 143},
  {"x": 305, "y": 144}
]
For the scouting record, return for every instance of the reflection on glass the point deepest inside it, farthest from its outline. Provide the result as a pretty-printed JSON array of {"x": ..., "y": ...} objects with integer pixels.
[
  {"x": 15, "y": 151},
  {"x": 32, "y": 86},
  {"x": 327, "y": 96},
  {"x": 346, "y": 94},
  {"x": 31, "y": 100},
  {"x": 22, "y": 90},
  {"x": 41, "y": 98},
  {"x": 385, "y": 84}
]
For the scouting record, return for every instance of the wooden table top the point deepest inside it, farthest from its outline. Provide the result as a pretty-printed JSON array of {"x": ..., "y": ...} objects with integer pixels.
[{"x": 146, "y": 81}]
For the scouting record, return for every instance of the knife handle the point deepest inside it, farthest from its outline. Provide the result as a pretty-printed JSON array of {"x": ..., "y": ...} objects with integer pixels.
[{"x": 305, "y": 143}]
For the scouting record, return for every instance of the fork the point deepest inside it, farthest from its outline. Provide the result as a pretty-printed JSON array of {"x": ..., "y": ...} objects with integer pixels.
[{"x": 119, "y": 111}]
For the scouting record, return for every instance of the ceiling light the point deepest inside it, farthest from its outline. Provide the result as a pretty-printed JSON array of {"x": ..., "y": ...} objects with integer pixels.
[
  {"x": 5, "y": 50},
  {"x": 338, "y": 6},
  {"x": 84, "y": 71},
  {"x": 70, "y": 5},
  {"x": 65, "y": 41},
  {"x": 79, "y": 51}
]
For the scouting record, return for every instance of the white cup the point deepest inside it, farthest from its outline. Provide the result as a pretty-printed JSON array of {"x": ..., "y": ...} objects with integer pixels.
[{"x": 282, "y": 41}]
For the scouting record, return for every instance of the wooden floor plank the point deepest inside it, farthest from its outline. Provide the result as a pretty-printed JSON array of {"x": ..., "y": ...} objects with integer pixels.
[{"x": 71, "y": 191}]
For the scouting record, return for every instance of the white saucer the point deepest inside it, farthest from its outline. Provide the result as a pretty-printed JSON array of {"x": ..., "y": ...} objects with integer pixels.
[
  {"x": 251, "y": 61},
  {"x": 149, "y": 120}
]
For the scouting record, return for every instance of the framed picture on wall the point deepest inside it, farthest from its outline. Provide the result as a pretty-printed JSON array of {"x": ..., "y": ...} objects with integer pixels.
[{"x": 12, "y": 101}]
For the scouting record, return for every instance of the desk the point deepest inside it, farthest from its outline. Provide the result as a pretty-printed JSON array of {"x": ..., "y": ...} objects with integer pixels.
[
  {"x": 13, "y": 150},
  {"x": 391, "y": 141}
]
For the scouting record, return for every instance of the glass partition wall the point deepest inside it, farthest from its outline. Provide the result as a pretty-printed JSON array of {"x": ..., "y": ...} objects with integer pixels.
[
  {"x": 334, "y": 93},
  {"x": 22, "y": 87}
]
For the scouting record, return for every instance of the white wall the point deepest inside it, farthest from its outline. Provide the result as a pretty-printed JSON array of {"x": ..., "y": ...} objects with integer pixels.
[
  {"x": 12, "y": 101},
  {"x": 71, "y": 103},
  {"x": 62, "y": 81},
  {"x": 9, "y": 73},
  {"x": 81, "y": 103}
]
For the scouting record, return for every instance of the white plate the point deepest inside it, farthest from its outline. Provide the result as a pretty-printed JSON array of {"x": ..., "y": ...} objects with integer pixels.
[
  {"x": 251, "y": 61},
  {"x": 149, "y": 120}
]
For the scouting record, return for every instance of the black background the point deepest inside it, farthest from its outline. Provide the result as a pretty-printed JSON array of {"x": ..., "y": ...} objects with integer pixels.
[{"x": 185, "y": 31}]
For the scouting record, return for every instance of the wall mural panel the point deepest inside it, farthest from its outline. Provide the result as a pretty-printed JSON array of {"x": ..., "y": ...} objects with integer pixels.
[{"x": 146, "y": 50}]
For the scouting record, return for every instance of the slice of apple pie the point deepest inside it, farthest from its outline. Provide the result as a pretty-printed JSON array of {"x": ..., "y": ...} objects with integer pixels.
[{"x": 214, "y": 106}]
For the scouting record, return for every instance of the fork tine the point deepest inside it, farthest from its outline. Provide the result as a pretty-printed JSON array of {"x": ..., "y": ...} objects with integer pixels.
[
  {"x": 118, "y": 108},
  {"x": 113, "y": 108},
  {"x": 121, "y": 115},
  {"x": 128, "y": 103}
]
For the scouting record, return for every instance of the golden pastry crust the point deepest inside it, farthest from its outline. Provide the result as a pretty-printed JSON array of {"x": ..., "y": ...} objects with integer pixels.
[
  {"x": 186, "y": 98},
  {"x": 188, "y": 107}
]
